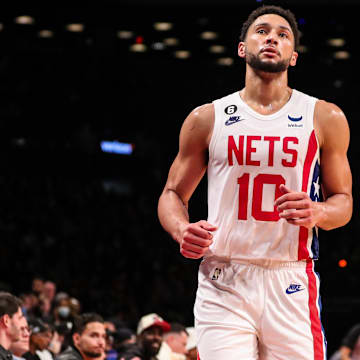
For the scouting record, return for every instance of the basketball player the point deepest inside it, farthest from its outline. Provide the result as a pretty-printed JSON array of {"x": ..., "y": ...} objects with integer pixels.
[{"x": 258, "y": 294}]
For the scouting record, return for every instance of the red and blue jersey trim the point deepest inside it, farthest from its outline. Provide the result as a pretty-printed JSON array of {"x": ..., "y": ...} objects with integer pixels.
[{"x": 311, "y": 172}]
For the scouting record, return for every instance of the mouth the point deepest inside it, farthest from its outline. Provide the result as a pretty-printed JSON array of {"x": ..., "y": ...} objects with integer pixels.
[
  {"x": 156, "y": 345},
  {"x": 270, "y": 51}
]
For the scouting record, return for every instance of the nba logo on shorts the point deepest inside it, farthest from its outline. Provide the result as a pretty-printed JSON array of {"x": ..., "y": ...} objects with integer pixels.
[{"x": 216, "y": 274}]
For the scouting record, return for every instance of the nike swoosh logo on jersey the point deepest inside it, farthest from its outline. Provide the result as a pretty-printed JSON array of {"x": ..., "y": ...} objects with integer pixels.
[
  {"x": 233, "y": 120},
  {"x": 293, "y": 288},
  {"x": 294, "y": 118}
]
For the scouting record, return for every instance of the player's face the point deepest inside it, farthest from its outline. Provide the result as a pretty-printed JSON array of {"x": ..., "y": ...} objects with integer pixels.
[{"x": 269, "y": 44}]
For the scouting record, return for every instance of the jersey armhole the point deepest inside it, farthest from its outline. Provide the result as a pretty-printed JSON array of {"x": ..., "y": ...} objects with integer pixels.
[
  {"x": 311, "y": 115},
  {"x": 216, "y": 129}
]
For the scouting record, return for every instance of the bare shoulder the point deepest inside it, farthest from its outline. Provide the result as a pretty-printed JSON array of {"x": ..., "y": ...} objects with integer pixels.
[
  {"x": 330, "y": 124},
  {"x": 199, "y": 123}
]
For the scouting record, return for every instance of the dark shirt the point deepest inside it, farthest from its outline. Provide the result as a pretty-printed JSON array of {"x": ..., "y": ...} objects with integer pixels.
[
  {"x": 5, "y": 354},
  {"x": 131, "y": 351},
  {"x": 29, "y": 356},
  {"x": 351, "y": 337},
  {"x": 71, "y": 353},
  {"x": 111, "y": 355}
]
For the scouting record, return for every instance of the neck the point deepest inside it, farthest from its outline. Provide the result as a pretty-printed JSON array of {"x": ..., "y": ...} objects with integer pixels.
[
  {"x": 266, "y": 92},
  {"x": 4, "y": 341},
  {"x": 32, "y": 348}
]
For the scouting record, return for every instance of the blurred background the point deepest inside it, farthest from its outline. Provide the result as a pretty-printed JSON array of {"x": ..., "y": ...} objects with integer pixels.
[{"x": 92, "y": 99}]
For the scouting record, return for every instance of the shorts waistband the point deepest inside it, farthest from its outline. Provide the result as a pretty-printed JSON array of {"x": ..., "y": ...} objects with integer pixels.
[{"x": 264, "y": 263}]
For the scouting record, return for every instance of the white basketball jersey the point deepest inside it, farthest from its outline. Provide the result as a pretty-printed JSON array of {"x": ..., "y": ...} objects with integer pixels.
[{"x": 250, "y": 155}]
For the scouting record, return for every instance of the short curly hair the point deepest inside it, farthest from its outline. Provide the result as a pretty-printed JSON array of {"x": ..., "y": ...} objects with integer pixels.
[{"x": 271, "y": 9}]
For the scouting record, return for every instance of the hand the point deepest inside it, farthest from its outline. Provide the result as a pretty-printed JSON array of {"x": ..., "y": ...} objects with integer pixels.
[
  {"x": 297, "y": 208},
  {"x": 195, "y": 239}
]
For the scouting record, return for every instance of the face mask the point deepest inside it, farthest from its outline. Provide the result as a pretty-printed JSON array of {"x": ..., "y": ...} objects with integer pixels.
[{"x": 64, "y": 311}]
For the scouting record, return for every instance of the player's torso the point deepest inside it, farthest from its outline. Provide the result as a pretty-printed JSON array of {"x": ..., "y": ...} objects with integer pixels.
[{"x": 250, "y": 155}]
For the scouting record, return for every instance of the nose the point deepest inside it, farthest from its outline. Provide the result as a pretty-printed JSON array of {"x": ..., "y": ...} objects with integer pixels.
[
  {"x": 271, "y": 38},
  {"x": 158, "y": 337},
  {"x": 102, "y": 343}
]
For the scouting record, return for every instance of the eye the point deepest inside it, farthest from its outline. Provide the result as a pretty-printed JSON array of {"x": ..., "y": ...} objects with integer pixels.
[
  {"x": 261, "y": 31},
  {"x": 284, "y": 35}
]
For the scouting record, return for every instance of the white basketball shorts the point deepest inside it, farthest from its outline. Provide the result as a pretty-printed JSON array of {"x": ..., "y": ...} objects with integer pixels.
[{"x": 262, "y": 310}]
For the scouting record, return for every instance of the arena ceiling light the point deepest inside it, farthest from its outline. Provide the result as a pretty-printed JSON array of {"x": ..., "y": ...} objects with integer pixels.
[
  {"x": 217, "y": 49},
  {"x": 24, "y": 20},
  {"x": 209, "y": 35},
  {"x": 171, "y": 41},
  {"x": 125, "y": 34},
  {"x": 75, "y": 27},
  {"x": 138, "y": 48},
  {"x": 225, "y": 61},
  {"x": 336, "y": 42},
  {"x": 341, "y": 55},
  {"x": 302, "y": 49},
  {"x": 46, "y": 34},
  {"x": 163, "y": 26},
  {"x": 182, "y": 54},
  {"x": 158, "y": 46}
]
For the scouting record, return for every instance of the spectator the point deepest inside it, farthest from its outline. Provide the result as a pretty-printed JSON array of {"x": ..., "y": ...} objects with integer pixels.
[
  {"x": 63, "y": 310},
  {"x": 49, "y": 290},
  {"x": 40, "y": 337},
  {"x": 123, "y": 337},
  {"x": 149, "y": 338},
  {"x": 350, "y": 346},
  {"x": 174, "y": 343},
  {"x": 61, "y": 338},
  {"x": 37, "y": 285},
  {"x": 11, "y": 321},
  {"x": 21, "y": 346},
  {"x": 191, "y": 344},
  {"x": 110, "y": 328},
  {"x": 88, "y": 339}
]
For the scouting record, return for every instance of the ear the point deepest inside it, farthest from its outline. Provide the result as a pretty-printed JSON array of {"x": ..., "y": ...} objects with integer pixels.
[
  {"x": 76, "y": 338},
  {"x": 5, "y": 320},
  {"x": 293, "y": 59},
  {"x": 241, "y": 49}
]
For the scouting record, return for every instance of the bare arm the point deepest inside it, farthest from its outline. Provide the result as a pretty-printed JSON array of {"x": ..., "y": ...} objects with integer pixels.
[
  {"x": 333, "y": 133},
  {"x": 184, "y": 176},
  {"x": 334, "y": 137}
]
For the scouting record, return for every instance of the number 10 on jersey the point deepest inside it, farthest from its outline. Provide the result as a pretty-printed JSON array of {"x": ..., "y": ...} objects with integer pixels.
[{"x": 257, "y": 196}]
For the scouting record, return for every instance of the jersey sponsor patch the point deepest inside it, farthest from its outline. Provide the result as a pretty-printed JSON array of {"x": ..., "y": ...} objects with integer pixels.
[
  {"x": 295, "y": 122},
  {"x": 295, "y": 118}
]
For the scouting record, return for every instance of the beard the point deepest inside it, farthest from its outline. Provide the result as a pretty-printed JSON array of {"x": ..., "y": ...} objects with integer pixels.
[
  {"x": 256, "y": 63},
  {"x": 92, "y": 354},
  {"x": 150, "y": 348}
]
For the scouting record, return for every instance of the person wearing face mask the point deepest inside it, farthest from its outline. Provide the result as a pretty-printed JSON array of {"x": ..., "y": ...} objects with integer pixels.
[{"x": 62, "y": 311}]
